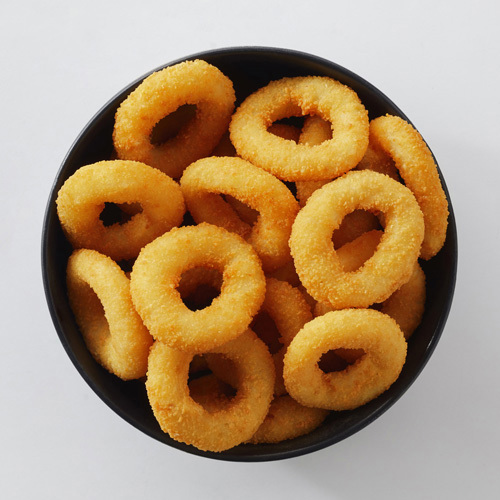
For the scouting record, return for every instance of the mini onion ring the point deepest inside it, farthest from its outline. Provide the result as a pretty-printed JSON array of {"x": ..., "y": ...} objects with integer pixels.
[
  {"x": 191, "y": 82},
  {"x": 204, "y": 181},
  {"x": 419, "y": 172},
  {"x": 99, "y": 295},
  {"x": 374, "y": 332},
  {"x": 158, "y": 270},
  {"x": 317, "y": 262},
  {"x": 287, "y": 160},
  {"x": 82, "y": 198},
  {"x": 187, "y": 421}
]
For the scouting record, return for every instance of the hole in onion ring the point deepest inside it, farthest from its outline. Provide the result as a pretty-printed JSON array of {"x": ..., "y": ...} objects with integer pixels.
[
  {"x": 213, "y": 389},
  {"x": 211, "y": 393},
  {"x": 96, "y": 316},
  {"x": 199, "y": 286},
  {"x": 118, "y": 213},
  {"x": 170, "y": 125},
  {"x": 291, "y": 121},
  {"x": 265, "y": 328},
  {"x": 338, "y": 360},
  {"x": 247, "y": 214},
  {"x": 354, "y": 225}
]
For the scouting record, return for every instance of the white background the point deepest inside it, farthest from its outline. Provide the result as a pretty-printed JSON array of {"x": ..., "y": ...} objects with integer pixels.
[{"x": 61, "y": 61}]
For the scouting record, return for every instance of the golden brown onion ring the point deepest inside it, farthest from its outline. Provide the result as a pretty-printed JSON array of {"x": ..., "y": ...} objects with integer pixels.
[
  {"x": 384, "y": 349},
  {"x": 218, "y": 429},
  {"x": 160, "y": 94},
  {"x": 419, "y": 172},
  {"x": 285, "y": 159},
  {"x": 158, "y": 270},
  {"x": 82, "y": 198},
  {"x": 99, "y": 295},
  {"x": 317, "y": 262}
]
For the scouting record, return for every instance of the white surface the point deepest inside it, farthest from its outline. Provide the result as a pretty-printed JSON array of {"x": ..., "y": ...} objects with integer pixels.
[{"x": 62, "y": 61}]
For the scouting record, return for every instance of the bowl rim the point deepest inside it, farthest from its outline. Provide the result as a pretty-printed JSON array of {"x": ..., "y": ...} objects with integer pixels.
[{"x": 228, "y": 456}]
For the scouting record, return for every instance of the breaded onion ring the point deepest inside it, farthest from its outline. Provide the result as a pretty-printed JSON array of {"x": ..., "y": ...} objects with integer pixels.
[
  {"x": 419, "y": 172},
  {"x": 99, "y": 295},
  {"x": 406, "y": 305},
  {"x": 287, "y": 160},
  {"x": 317, "y": 262},
  {"x": 374, "y": 332},
  {"x": 82, "y": 198},
  {"x": 205, "y": 180},
  {"x": 216, "y": 430},
  {"x": 191, "y": 82},
  {"x": 288, "y": 419},
  {"x": 157, "y": 273}
]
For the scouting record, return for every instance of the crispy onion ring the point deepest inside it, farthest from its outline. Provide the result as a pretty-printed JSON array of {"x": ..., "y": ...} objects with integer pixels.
[
  {"x": 204, "y": 181},
  {"x": 406, "y": 305},
  {"x": 374, "y": 332},
  {"x": 99, "y": 295},
  {"x": 419, "y": 172},
  {"x": 287, "y": 160},
  {"x": 82, "y": 198},
  {"x": 218, "y": 429},
  {"x": 157, "y": 272},
  {"x": 191, "y": 82},
  {"x": 317, "y": 262}
]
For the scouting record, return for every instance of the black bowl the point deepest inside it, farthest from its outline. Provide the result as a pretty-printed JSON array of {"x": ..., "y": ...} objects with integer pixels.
[{"x": 249, "y": 68}]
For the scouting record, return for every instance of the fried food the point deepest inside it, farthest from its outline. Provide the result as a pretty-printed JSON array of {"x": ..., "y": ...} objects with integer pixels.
[
  {"x": 83, "y": 196},
  {"x": 419, "y": 172},
  {"x": 285, "y": 159},
  {"x": 219, "y": 428},
  {"x": 157, "y": 272},
  {"x": 99, "y": 295},
  {"x": 160, "y": 94},
  {"x": 317, "y": 262},
  {"x": 384, "y": 349}
]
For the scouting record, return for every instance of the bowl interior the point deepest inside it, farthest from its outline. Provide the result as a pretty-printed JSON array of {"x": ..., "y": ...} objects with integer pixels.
[{"x": 249, "y": 68}]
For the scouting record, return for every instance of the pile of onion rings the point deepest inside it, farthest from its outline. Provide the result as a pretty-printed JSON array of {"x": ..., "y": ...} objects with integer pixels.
[{"x": 275, "y": 272}]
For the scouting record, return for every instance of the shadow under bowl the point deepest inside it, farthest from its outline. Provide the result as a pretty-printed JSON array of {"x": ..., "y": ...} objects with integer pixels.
[{"x": 249, "y": 68}]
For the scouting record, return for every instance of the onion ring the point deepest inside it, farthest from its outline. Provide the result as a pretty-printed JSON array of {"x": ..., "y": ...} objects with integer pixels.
[
  {"x": 374, "y": 332},
  {"x": 82, "y": 198},
  {"x": 204, "y": 181},
  {"x": 191, "y": 82},
  {"x": 157, "y": 272},
  {"x": 317, "y": 262},
  {"x": 187, "y": 421},
  {"x": 416, "y": 166},
  {"x": 99, "y": 295},
  {"x": 287, "y": 160}
]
